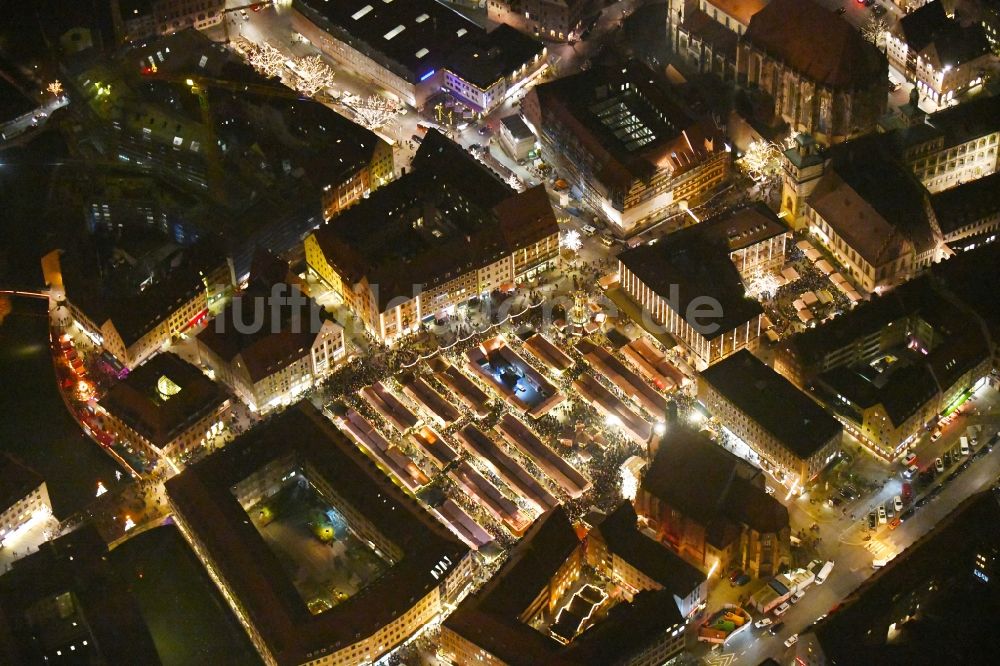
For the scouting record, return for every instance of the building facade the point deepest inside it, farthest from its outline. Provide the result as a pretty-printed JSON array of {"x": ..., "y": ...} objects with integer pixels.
[
  {"x": 733, "y": 524},
  {"x": 139, "y": 19},
  {"x": 691, "y": 283},
  {"x": 513, "y": 238},
  {"x": 24, "y": 497},
  {"x": 633, "y": 153},
  {"x": 166, "y": 409},
  {"x": 794, "y": 437},
  {"x": 943, "y": 58},
  {"x": 554, "y": 20}
]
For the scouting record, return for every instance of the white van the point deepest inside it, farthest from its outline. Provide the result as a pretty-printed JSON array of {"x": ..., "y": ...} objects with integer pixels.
[
  {"x": 824, "y": 572},
  {"x": 963, "y": 445}
]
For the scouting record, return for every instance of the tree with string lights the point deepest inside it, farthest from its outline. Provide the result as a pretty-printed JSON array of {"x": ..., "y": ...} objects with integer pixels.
[
  {"x": 874, "y": 29},
  {"x": 312, "y": 75},
  {"x": 375, "y": 110},
  {"x": 267, "y": 60}
]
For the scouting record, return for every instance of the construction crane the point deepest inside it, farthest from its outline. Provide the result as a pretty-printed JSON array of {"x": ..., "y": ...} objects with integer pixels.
[
  {"x": 254, "y": 6},
  {"x": 200, "y": 86}
]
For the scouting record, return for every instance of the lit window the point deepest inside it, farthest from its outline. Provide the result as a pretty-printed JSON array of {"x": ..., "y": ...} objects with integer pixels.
[
  {"x": 422, "y": 18},
  {"x": 422, "y": 52}
]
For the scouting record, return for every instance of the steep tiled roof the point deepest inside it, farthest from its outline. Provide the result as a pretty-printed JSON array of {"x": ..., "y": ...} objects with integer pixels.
[{"x": 817, "y": 43}]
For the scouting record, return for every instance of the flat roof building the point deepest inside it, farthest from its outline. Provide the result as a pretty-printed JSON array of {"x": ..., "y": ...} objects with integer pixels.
[
  {"x": 426, "y": 565},
  {"x": 791, "y": 433},
  {"x": 692, "y": 282},
  {"x": 414, "y": 48}
]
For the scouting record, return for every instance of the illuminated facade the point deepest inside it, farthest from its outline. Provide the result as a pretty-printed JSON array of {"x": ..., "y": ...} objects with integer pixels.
[
  {"x": 625, "y": 143},
  {"x": 413, "y": 49},
  {"x": 428, "y": 567},
  {"x": 462, "y": 233},
  {"x": 832, "y": 93},
  {"x": 793, "y": 435},
  {"x": 24, "y": 496},
  {"x": 545, "y": 19},
  {"x": 943, "y": 58},
  {"x": 139, "y": 19},
  {"x": 680, "y": 277},
  {"x": 506, "y": 622},
  {"x": 165, "y": 408}
]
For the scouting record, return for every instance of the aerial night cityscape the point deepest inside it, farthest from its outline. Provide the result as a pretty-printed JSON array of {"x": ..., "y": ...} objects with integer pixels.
[{"x": 500, "y": 332}]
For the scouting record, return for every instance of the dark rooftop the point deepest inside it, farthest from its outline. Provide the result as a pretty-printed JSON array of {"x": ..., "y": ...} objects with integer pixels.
[
  {"x": 493, "y": 56},
  {"x": 64, "y": 595},
  {"x": 773, "y": 402},
  {"x": 517, "y": 127},
  {"x": 621, "y": 533},
  {"x": 929, "y": 27},
  {"x": 13, "y": 103},
  {"x": 16, "y": 481},
  {"x": 920, "y": 26},
  {"x": 971, "y": 119},
  {"x": 626, "y": 109},
  {"x": 695, "y": 261},
  {"x": 468, "y": 219},
  {"x": 105, "y": 287},
  {"x": 933, "y": 589},
  {"x": 490, "y": 618},
  {"x": 787, "y": 30},
  {"x": 202, "y": 497},
  {"x": 416, "y": 38},
  {"x": 277, "y": 341},
  {"x": 162, "y": 398},
  {"x": 967, "y": 203},
  {"x": 710, "y": 485}
]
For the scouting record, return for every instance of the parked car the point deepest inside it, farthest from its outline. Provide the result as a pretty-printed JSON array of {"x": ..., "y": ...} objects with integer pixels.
[
  {"x": 882, "y": 519},
  {"x": 782, "y": 609},
  {"x": 776, "y": 628},
  {"x": 798, "y": 596},
  {"x": 763, "y": 622},
  {"x": 741, "y": 581},
  {"x": 936, "y": 435},
  {"x": 939, "y": 465},
  {"x": 911, "y": 471},
  {"x": 923, "y": 501},
  {"x": 897, "y": 503},
  {"x": 910, "y": 459},
  {"x": 872, "y": 520},
  {"x": 906, "y": 515},
  {"x": 791, "y": 640},
  {"x": 907, "y": 493},
  {"x": 735, "y": 574}
]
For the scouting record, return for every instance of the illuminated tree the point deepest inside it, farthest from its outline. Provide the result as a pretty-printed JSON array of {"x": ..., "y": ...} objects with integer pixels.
[
  {"x": 874, "y": 29},
  {"x": 760, "y": 161},
  {"x": 312, "y": 75},
  {"x": 267, "y": 60},
  {"x": 762, "y": 284},
  {"x": 55, "y": 88},
  {"x": 375, "y": 111}
]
